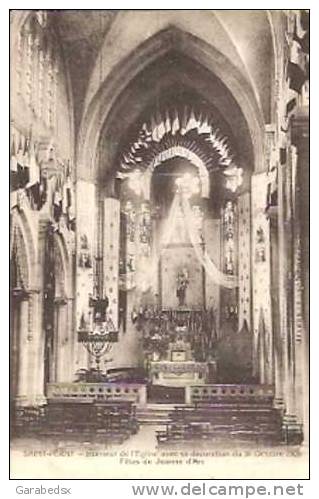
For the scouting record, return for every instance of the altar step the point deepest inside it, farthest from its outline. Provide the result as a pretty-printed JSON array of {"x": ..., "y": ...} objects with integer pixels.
[
  {"x": 155, "y": 414},
  {"x": 226, "y": 421}
]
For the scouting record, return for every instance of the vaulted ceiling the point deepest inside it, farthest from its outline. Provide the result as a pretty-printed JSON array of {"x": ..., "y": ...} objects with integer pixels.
[
  {"x": 82, "y": 33},
  {"x": 85, "y": 32}
]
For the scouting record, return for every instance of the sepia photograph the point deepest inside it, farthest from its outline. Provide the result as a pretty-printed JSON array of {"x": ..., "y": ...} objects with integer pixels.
[{"x": 159, "y": 244}]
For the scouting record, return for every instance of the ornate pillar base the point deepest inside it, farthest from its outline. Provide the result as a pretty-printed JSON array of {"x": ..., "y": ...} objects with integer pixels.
[{"x": 292, "y": 430}]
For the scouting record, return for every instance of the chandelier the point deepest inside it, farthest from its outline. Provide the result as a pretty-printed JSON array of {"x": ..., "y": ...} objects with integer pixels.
[{"x": 97, "y": 333}]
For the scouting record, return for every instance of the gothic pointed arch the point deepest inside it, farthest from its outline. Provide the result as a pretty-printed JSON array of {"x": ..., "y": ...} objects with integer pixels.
[
  {"x": 22, "y": 251},
  {"x": 118, "y": 85}
]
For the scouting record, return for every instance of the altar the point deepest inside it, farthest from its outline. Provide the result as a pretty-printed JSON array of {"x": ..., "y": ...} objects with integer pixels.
[
  {"x": 179, "y": 373},
  {"x": 179, "y": 368}
]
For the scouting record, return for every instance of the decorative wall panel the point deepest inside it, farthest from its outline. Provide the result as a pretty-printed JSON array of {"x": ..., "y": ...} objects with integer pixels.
[
  {"x": 111, "y": 255},
  {"x": 212, "y": 242},
  {"x": 85, "y": 243},
  {"x": 244, "y": 271},
  {"x": 262, "y": 323}
]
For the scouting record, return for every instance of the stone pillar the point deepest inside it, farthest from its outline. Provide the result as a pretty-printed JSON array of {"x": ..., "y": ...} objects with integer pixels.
[
  {"x": 275, "y": 305},
  {"x": 292, "y": 344},
  {"x": 61, "y": 332},
  {"x": 24, "y": 385},
  {"x": 300, "y": 139},
  {"x": 36, "y": 336},
  {"x": 71, "y": 341}
]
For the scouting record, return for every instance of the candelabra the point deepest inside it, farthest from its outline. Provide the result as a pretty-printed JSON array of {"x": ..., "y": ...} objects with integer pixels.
[{"x": 97, "y": 335}]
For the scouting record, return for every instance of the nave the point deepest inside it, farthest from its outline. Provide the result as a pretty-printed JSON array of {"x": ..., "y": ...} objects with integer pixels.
[{"x": 159, "y": 227}]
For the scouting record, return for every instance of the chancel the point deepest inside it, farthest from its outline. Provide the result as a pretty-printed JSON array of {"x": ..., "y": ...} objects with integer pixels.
[{"x": 159, "y": 225}]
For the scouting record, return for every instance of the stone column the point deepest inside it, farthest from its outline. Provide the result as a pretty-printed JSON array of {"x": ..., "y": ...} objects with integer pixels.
[
  {"x": 36, "y": 337},
  {"x": 61, "y": 330},
  {"x": 300, "y": 139},
  {"x": 277, "y": 340},
  {"x": 292, "y": 400},
  {"x": 71, "y": 341},
  {"x": 24, "y": 394}
]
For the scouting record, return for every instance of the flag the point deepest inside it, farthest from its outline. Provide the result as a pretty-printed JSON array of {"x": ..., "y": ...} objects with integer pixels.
[
  {"x": 192, "y": 122},
  {"x": 145, "y": 135},
  {"x": 33, "y": 167},
  {"x": 204, "y": 127},
  {"x": 41, "y": 17},
  {"x": 297, "y": 77},
  {"x": 302, "y": 42},
  {"x": 301, "y": 30},
  {"x": 13, "y": 158},
  {"x": 129, "y": 158},
  {"x": 20, "y": 149},
  {"x": 292, "y": 103},
  {"x": 57, "y": 201},
  {"x": 272, "y": 187},
  {"x": 184, "y": 121},
  {"x": 57, "y": 198},
  {"x": 175, "y": 123},
  {"x": 22, "y": 163},
  {"x": 168, "y": 125},
  {"x": 65, "y": 198},
  {"x": 133, "y": 148},
  {"x": 67, "y": 195},
  {"x": 154, "y": 128},
  {"x": 160, "y": 125},
  {"x": 295, "y": 52}
]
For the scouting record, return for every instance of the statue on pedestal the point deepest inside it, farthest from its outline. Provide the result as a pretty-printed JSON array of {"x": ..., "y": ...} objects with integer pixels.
[{"x": 182, "y": 282}]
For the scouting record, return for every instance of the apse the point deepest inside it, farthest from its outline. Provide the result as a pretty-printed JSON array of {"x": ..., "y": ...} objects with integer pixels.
[{"x": 176, "y": 177}]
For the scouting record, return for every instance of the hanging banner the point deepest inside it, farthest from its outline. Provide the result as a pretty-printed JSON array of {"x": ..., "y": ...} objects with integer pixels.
[
  {"x": 111, "y": 253},
  {"x": 244, "y": 279}
]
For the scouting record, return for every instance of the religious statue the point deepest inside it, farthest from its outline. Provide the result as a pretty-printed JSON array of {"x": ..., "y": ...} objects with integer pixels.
[
  {"x": 182, "y": 282},
  {"x": 229, "y": 213},
  {"x": 84, "y": 255},
  {"x": 260, "y": 254}
]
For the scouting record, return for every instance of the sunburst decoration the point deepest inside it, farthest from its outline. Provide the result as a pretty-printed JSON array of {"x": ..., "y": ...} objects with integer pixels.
[{"x": 186, "y": 134}]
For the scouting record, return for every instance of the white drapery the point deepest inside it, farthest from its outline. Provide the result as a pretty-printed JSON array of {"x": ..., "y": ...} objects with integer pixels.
[
  {"x": 149, "y": 270},
  {"x": 216, "y": 275}
]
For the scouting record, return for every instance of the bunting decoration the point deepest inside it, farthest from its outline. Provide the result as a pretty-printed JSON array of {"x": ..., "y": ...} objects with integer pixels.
[
  {"x": 28, "y": 179},
  {"x": 173, "y": 131},
  {"x": 297, "y": 72}
]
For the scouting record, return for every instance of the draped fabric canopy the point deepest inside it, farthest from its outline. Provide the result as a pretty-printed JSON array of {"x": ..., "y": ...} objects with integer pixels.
[
  {"x": 185, "y": 133},
  {"x": 211, "y": 269},
  {"x": 149, "y": 268}
]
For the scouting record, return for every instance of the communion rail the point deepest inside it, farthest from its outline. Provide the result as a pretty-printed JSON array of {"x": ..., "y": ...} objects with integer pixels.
[
  {"x": 217, "y": 393},
  {"x": 81, "y": 392}
]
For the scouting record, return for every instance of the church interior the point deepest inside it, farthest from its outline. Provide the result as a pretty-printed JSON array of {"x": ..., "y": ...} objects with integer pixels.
[{"x": 159, "y": 225}]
